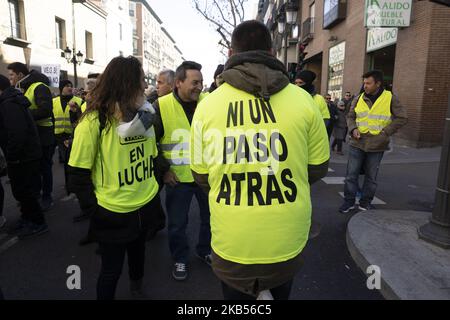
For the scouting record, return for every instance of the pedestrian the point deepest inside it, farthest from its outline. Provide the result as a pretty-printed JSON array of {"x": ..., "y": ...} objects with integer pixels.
[
  {"x": 174, "y": 113},
  {"x": 20, "y": 141},
  {"x": 304, "y": 79},
  {"x": 347, "y": 101},
  {"x": 217, "y": 73},
  {"x": 111, "y": 172},
  {"x": 340, "y": 128},
  {"x": 165, "y": 82},
  {"x": 258, "y": 144},
  {"x": 332, "y": 109},
  {"x": 2, "y": 191},
  {"x": 62, "y": 106},
  {"x": 375, "y": 115},
  {"x": 34, "y": 85}
]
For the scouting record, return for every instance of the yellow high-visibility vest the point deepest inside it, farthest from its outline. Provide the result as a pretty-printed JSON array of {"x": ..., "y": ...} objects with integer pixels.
[
  {"x": 256, "y": 155},
  {"x": 323, "y": 107},
  {"x": 122, "y": 168},
  {"x": 62, "y": 118},
  {"x": 47, "y": 122},
  {"x": 176, "y": 139},
  {"x": 373, "y": 120}
]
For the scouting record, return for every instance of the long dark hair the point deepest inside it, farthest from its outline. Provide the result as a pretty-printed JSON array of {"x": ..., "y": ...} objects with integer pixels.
[{"x": 118, "y": 86}]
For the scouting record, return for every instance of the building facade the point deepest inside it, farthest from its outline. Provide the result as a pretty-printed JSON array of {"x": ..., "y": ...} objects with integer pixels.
[
  {"x": 152, "y": 43},
  {"x": 331, "y": 39},
  {"x": 37, "y": 32}
]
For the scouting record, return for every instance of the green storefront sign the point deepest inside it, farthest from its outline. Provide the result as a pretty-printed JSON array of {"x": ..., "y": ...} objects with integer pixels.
[
  {"x": 378, "y": 38},
  {"x": 387, "y": 13}
]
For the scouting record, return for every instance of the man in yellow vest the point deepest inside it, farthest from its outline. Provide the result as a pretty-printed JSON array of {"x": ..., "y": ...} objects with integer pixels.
[
  {"x": 62, "y": 106},
  {"x": 174, "y": 114},
  {"x": 258, "y": 142},
  {"x": 374, "y": 116},
  {"x": 34, "y": 86},
  {"x": 304, "y": 79}
]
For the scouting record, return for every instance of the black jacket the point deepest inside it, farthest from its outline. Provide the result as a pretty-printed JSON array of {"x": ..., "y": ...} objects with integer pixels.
[
  {"x": 44, "y": 101},
  {"x": 18, "y": 134}
]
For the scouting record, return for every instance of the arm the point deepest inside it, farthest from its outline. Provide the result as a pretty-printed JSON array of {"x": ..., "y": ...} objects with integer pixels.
[
  {"x": 43, "y": 99},
  {"x": 351, "y": 116},
  {"x": 17, "y": 127},
  {"x": 316, "y": 172},
  {"x": 399, "y": 117},
  {"x": 81, "y": 184}
]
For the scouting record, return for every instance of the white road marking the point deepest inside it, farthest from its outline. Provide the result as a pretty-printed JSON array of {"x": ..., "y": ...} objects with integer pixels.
[
  {"x": 374, "y": 201},
  {"x": 334, "y": 180},
  {"x": 330, "y": 170},
  {"x": 8, "y": 244}
]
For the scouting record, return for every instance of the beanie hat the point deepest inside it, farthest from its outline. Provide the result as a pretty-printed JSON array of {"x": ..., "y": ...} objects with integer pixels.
[
  {"x": 64, "y": 83},
  {"x": 306, "y": 75}
]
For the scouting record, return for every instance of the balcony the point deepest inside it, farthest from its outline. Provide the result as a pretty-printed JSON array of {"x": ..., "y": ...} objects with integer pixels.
[
  {"x": 308, "y": 29},
  {"x": 17, "y": 36},
  {"x": 335, "y": 14}
]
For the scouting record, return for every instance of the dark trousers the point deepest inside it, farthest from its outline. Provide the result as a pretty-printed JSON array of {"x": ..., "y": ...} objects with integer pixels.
[
  {"x": 370, "y": 163},
  {"x": 330, "y": 126},
  {"x": 338, "y": 143},
  {"x": 2, "y": 198},
  {"x": 23, "y": 177},
  {"x": 279, "y": 293},
  {"x": 45, "y": 183},
  {"x": 113, "y": 256},
  {"x": 64, "y": 154},
  {"x": 178, "y": 202}
]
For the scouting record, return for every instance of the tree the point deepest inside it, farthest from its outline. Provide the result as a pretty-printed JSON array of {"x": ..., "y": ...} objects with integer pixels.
[{"x": 224, "y": 15}]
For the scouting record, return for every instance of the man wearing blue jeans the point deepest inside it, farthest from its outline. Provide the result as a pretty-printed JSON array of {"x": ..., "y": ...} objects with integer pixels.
[
  {"x": 374, "y": 116},
  {"x": 174, "y": 113}
]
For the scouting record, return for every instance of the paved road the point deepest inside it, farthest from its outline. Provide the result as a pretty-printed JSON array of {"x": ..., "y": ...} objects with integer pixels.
[{"x": 36, "y": 268}]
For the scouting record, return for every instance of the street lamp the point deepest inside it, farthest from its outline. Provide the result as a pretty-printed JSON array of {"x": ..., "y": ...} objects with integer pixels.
[
  {"x": 287, "y": 17},
  {"x": 75, "y": 59}
]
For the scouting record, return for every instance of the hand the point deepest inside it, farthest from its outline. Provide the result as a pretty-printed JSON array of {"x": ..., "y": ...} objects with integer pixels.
[
  {"x": 170, "y": 178},
  {"x": 73, "y": 106},
  {"x": 356, "y": 134}
]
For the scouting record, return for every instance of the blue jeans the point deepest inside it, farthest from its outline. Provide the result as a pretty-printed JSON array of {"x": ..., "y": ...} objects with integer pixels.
[
  {"x": 178, "y": 202},
  {"x": 357, "y": 160}
]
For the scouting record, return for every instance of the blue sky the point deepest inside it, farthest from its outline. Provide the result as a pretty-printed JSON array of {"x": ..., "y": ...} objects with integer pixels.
[{"x": 195, "y": 37}]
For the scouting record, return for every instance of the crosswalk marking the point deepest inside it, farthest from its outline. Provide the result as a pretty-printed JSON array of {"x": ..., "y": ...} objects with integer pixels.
[
  {"x": 330, "y": 170},
  {"x": 334, "y": 180},
  {"x": 374, "y": 201}
]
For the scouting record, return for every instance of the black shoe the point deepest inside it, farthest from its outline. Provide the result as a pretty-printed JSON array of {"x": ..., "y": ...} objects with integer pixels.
[
  {"x": 366, "y": 207},
  {"x": 346, "y": 207},
  {"x": 32, "y": 230},
  {"x": 46, "y": 203},
  {"x": 82, "y": 216},
  {"x": 179, "y": 271}
]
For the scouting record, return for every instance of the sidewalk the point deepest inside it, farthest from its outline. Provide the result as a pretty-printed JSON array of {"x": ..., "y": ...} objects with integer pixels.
[
  {"x": 410, "y": 268},
  {"x": 398, "y": 155}
]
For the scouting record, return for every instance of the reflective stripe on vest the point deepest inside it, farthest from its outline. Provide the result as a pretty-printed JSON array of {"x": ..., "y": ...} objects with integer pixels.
[
  {"x": 175, "y": 144},
  {"x": 373, "y": 120},
  {"x": 62, "y": 118},
  {"x": 47, "y": 122}
]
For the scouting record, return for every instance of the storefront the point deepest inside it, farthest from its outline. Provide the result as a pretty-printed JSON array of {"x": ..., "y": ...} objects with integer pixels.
[{"x": 336, "y": 70}]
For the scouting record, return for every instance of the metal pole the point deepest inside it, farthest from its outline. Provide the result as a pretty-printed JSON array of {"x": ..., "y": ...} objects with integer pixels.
[
  {"x": 437, "y": 231},
  {"x": 75, "y": 75}
]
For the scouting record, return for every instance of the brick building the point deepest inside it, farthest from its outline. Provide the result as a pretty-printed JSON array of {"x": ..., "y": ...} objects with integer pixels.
[{"x": 339, "y": 48}]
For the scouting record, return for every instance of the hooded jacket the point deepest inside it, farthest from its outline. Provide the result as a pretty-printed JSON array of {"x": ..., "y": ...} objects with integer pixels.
[
  {"x": 18, "y": 134},
  {"x": 44, "y": 101}
]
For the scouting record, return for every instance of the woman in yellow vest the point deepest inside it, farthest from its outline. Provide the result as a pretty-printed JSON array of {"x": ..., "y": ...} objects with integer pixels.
[{"x": 112, "y": 172}]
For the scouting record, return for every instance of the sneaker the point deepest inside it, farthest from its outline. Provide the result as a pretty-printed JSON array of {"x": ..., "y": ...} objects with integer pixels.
[
  {"x": 2, "y": 221},
  {"x": 68, "y": 197},
  {"x": 32, "y": 230},
  {"x": 346, "y": 207},
  {"x": 179, "y": 271},
  {"x": 206, "y": 259},
  {"x": 46, "y": 204},
  {"x": 366, "y": 207}
]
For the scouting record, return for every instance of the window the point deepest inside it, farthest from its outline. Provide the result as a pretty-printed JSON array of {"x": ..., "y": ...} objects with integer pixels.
[
  {"x": 334, "y": 11},
  {"x": 60, "y": 31},
  {"x": 120, "y": 31},
  {"x": 135, "y": 47},
  {"x": 15, "y": 19},
  {"x": 89, "y": 46},
  {"x": 132, "y": 9}
]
